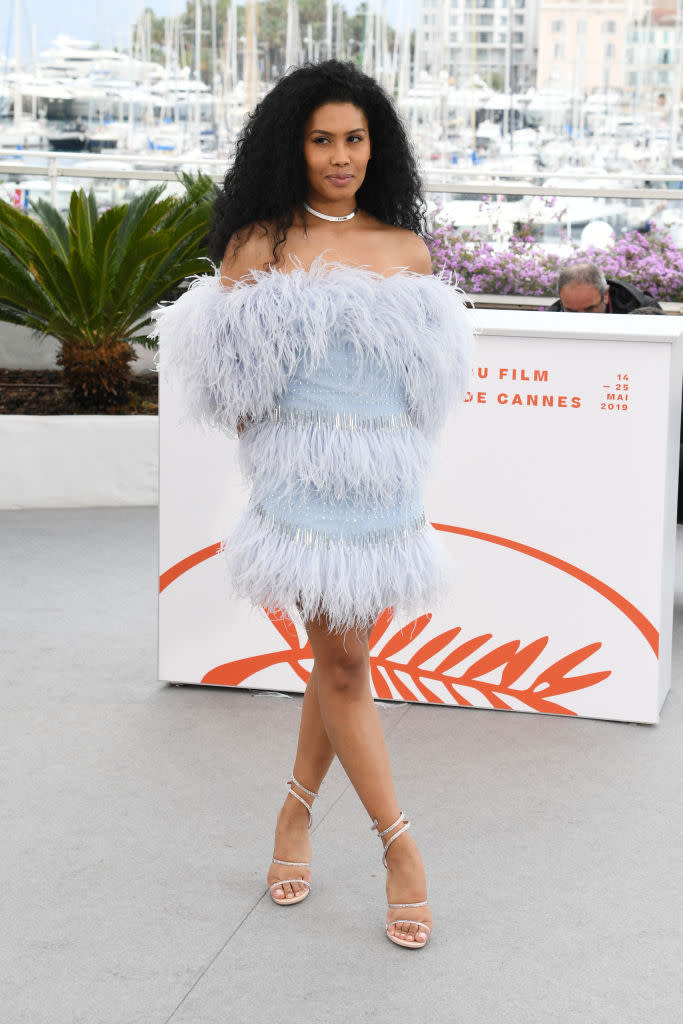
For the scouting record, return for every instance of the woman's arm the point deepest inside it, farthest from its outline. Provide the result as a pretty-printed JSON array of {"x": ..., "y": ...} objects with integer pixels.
[{"x": 248, "y": 249}]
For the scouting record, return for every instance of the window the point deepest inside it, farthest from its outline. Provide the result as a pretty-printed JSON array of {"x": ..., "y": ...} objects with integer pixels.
[
  {"x": 519, "y": 19},
  {"x": 581, "y": 27},
  {"x": 557, "y": 26},
  {"x": 664, "y": 57},
  {"x": 609, "y": 51},
  {"x": 609, "y": 28},
  {"x": 558, "y": 51},
  {"x": 484, "y": 37},
  {"x": 485, "y": 20},
  {"x": 518, "y": 37},
  {"x": 663, "y": 77}
]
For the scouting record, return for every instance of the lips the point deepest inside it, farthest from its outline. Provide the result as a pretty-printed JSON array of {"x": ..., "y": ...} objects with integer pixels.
[{"x": 339, "y": 179}]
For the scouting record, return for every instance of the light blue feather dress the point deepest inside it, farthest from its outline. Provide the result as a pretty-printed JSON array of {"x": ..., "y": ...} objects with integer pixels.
[{"x": 342, "y": 378}]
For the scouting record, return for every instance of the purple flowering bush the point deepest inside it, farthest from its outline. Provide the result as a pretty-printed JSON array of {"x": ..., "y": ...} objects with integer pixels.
[{"x": 651, "y": 262}]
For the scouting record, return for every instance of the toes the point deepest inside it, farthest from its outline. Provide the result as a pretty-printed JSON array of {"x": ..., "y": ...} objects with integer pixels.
[
  {"x": 288, "y": 891},
  {"x": 408, "y": 931}
]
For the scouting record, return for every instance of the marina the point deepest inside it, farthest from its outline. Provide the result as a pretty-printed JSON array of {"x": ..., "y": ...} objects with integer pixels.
[{"x": 551, "y": 163}]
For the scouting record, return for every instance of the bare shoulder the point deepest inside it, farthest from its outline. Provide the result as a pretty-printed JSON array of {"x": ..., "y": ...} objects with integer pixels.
[
  {"x": 250, "y": 248},
  {"x": 410, "y": 251}
]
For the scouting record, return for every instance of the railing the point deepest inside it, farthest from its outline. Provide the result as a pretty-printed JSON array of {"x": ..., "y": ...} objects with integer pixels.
[{"x": 472, "y": 182}]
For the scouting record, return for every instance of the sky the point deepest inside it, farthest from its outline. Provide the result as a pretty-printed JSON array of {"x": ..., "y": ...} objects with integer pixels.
[{"x": 86, "y": 19}]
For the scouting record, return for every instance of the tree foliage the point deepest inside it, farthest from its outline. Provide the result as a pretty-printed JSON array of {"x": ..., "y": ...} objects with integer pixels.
[{"x": 91, "y": 280}]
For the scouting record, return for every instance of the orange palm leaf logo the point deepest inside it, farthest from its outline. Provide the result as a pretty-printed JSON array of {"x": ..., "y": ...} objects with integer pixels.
[{"x": 504, "y": 675}]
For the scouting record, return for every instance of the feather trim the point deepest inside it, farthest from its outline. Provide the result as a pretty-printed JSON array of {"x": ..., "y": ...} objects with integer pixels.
[
  {"x": 371, "y": 465},
  {"x": 348, "y": 582},
  {"x": 232, "y": 350}
]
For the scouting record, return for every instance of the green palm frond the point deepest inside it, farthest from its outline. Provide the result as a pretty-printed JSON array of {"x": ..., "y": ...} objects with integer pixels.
[
  {"x": 92, "y": 279},
  {"x": 55, "y": 226}
]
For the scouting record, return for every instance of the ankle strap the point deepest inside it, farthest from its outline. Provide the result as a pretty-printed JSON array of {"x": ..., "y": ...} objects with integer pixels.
[
  {"x": 298, "y": 784},
  {"x": 400, "y": 820},
  {"x": 292, "y": 792}
]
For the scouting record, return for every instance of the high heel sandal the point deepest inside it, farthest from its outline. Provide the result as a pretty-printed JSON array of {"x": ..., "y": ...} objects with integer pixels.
[
  {"x": 407, "y": 943},
  {"x": 290, "y": 863}
]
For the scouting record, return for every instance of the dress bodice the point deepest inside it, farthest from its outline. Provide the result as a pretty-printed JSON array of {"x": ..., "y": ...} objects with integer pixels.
[
  {"x": 340, "y": 378},
  {"x": 237, "y": 351},
  {"x": 338, "y": 388}
]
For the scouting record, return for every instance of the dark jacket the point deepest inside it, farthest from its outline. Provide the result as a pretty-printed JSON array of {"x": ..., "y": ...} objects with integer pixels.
[{"x": 624, "y": 298}]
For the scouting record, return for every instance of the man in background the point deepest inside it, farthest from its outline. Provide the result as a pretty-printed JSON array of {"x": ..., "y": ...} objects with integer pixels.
[{"x": 583, "y": 288}]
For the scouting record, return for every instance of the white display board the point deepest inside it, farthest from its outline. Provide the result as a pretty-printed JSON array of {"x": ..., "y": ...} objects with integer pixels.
[{"x": 555, "y": 495}]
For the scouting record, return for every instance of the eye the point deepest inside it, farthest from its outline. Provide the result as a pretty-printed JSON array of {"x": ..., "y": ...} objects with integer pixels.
[
  {"x": 319, "y": 138},
  {"x": 355, "y": 138}
]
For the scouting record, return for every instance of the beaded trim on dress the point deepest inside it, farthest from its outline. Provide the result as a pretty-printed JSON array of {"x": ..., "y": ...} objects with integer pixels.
[{"x": 338, "y": 420}]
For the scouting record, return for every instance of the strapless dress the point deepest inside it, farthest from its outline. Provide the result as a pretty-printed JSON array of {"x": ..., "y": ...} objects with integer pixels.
[{"x": 341, "y": 379}]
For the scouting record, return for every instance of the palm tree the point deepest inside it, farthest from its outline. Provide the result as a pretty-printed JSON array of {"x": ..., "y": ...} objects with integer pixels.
[{"x": 92, "y": 281}]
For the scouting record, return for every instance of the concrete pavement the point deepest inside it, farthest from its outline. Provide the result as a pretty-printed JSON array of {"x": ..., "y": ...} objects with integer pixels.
[{"x": 137, "y": 830}]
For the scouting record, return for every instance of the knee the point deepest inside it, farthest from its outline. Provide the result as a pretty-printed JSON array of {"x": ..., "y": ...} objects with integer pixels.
[{"x": 345, "y": 672}]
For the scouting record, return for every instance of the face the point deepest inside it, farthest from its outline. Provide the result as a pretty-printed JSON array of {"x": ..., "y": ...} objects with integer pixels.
[
  {"x": 581, "y": 297},
  {"x": 336, "y": 150}
]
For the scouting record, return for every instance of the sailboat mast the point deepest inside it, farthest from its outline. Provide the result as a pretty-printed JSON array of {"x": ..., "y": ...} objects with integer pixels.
[
  {"x": 328, "y": 31},
  {"x": 676, "y": 86},
  {"x": 17, "y": 67},
  {"x": 252, "y": 58},
  {"x": 197, "y": 62},
  {"x": 214, "y": 80}
]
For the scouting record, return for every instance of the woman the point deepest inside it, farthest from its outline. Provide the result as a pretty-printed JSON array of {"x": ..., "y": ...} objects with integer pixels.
[{"x": 333, "y": 352}]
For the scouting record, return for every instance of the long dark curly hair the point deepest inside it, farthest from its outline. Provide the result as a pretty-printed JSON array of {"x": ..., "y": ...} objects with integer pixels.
[{"x": 267, "y": 183}]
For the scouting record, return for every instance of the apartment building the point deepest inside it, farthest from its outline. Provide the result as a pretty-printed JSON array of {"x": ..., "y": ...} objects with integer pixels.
[
  {"x": 582, "y": 45},
  {"x": 653, "y": 59},
  {"x": 474, "y": 40}
]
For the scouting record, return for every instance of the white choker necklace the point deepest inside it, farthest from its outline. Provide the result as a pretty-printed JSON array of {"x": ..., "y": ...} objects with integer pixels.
[{"x": 326, "y": 216}]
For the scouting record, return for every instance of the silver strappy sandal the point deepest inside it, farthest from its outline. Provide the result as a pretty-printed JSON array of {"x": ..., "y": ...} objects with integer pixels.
[
  {"x": 407, "y": 943},
  {"x": 290, "y": 863}
]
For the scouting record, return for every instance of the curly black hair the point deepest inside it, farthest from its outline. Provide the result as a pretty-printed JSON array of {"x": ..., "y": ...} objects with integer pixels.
[{"x": 267, "y": 183}]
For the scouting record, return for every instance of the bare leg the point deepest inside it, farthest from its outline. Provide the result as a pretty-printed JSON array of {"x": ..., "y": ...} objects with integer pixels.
[
  {"x": 314, "y": 756},
  {"x": 351, "y": 722}
]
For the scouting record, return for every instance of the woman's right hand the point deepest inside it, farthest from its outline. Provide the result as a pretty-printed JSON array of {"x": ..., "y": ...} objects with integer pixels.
[{"x": 242, "y": 424}]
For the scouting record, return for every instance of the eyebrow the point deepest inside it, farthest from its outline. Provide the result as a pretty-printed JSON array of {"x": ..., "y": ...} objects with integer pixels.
[{"x": 351, "y": 131}]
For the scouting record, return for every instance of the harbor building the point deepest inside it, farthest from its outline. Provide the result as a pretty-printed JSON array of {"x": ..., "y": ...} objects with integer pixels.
[
  {"x": 582, "y": 44},
  {"x": 474, "y": 41},
  {"x": 653, "y": 61}
]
